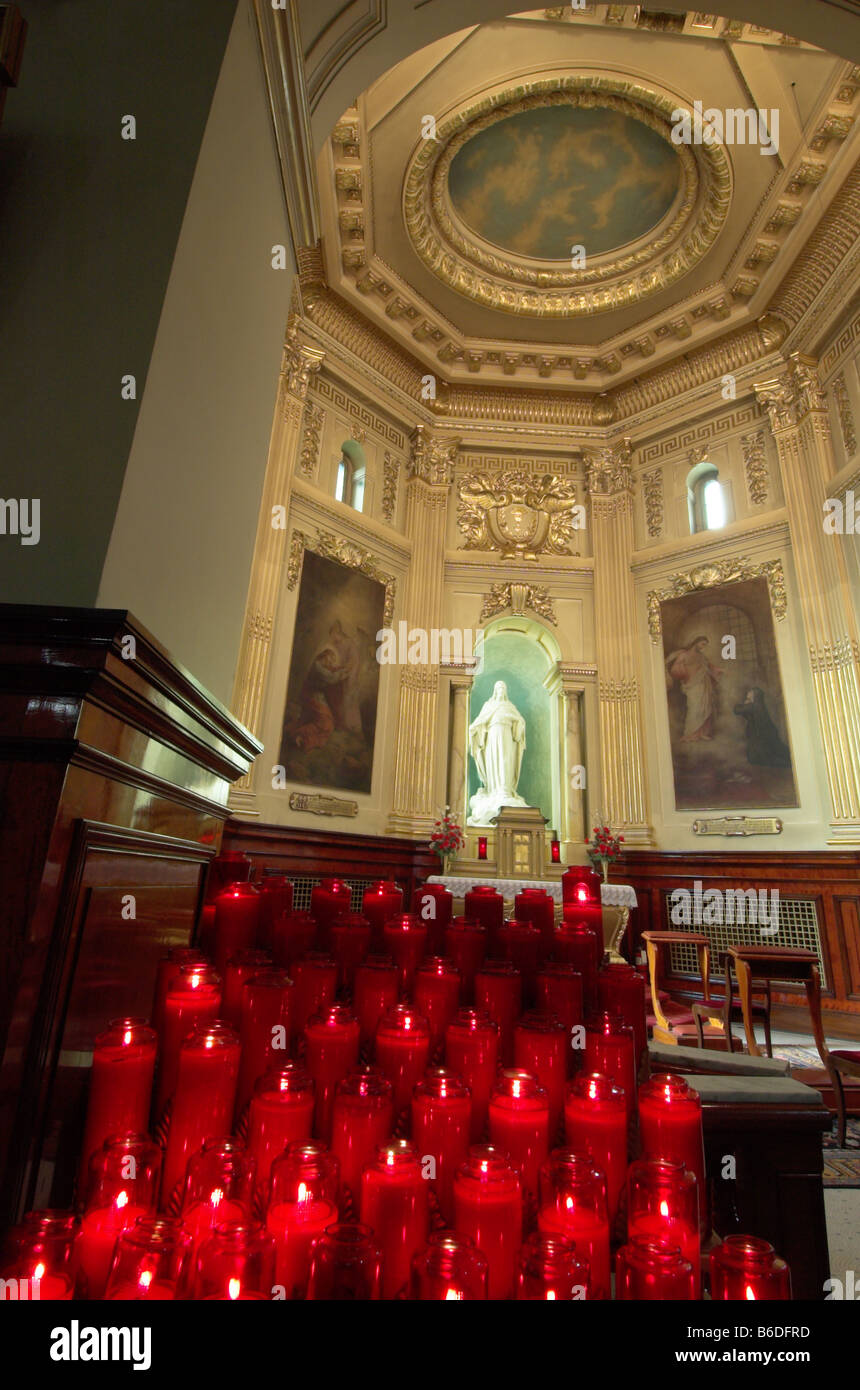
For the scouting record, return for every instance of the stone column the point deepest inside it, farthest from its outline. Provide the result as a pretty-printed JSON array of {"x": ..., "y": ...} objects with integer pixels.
[
  {"x": 298, "y": 364},
  {"x": 624, "y": 800},
  {"x": 799, "y": 420},
  {"x": 458, "y": 763},
  {"x": 574, "y": 797},
  {"x": 430, "y": 472}
]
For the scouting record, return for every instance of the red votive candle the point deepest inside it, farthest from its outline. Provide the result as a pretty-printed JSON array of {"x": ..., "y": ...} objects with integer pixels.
[
  {"x": 276, "y": 903},
  {"x": 346, "y": 1265},
  {"x": 382, "y": 901},
  {"x": 520, "y": 943},
  {"x": 550, "y": 1270},
  {"x": 350, "y": 943},
  {"x": 555, "y": 851},
  {"x": 441, "y": 1122},
  {"x": 265, "y": 1029},
  {"x": 204, "y": 1098},
  {"x": 558, "y": 990},
  {"x": 38, "y": 1261},
  {"x": 485, "y": 904},
  {"x": 436, "y": 992},
  {"x": 595, "y": 1122},
  {"x": 519, "y": 1124},
  {"x": 237, "y": 918},
  {"x": 573, "y": 1201},
  {"x": 406, "y": 942},
  {"x": 472, "y": 1053},
  {"x": 537, "y": 906},
  {"x": 303, "y": 1203},
  {"x": 375, "y": 993},
  {"x": 648, "y": 1269},
  {"x": 315, "y": 979},
  {"x": 120, "y": 1085},
  {"x": 541, "y": 1045},
  {"x": 450, "y": 1270},
  {"x": 663, "y": 1205},
  {"x": 193, "y": 997},
  {"x": 292, "y": 937},
  {"x": 499, "y": 991},
  {"x": 228, "y": 867},
  {"x": 281, "y": 1113},
  {"x": 621, "y": 989},
  {"x": 240, "y": 968},
  {"x": 402, "y": 1052},
  {"x": 362, "y": 1119},
  {"x": 670, "y": 1123},
  {"x": 482, "y": 846},
  {"x": 166, "y": 972},
  {"x": 236, "y": 1264},
  {"x": 434, "y": 904},
  {"x": 394, "y": 1205},
  {"x": 580, "y": 884},
  {"x": 332, "y": 1051},
  {"x": 330, "y": 899},
  {"x": 575, "y": 944},
  {"x": 488, "y": 1207},
  {"x": 219, "y": 1186},
  {"x": 466, "y": 946},
  {"x": 152, "y": 1262},
  {"x": 748, "y": 1269},
  {"x": 123, "y": 1182},
  {"x": 609, "y": 1049}
]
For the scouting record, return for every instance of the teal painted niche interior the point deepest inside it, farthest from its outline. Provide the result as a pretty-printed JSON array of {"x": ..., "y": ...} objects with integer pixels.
[{"x": 516, "y": 660}]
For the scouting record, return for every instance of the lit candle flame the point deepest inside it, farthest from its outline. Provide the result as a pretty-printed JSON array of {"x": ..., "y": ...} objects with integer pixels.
[
  {"x": 121, "y": 1200},
  {"x": 748, "y": 1293},
  {"x": 145, "y": 1280},
  {"x": 216, "y": 1196},
  {"x": 39, "y": 1271},
  {"x": 453, "y": 1296},
  {"x": 127, "y": 1037},
  {"x": 234, "y": 1288},
  {"x": 550, "y": 1295},
  {"x": 304, "y": 1193},
  {"x": 664, "y": 1209}
]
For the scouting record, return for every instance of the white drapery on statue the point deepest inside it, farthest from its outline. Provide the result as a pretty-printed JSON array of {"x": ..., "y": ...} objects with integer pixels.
[{"x": 497, "y": 741}]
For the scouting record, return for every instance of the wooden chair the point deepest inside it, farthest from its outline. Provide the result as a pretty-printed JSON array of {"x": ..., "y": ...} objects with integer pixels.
[
  {"x": 674, "y": 1023},
  {"x": 615, "y": 920},
  {"x": 732, "y": 1009}
]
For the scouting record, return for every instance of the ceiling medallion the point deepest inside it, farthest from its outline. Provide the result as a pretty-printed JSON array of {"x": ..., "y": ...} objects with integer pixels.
[{"x": 523, "y": 285}]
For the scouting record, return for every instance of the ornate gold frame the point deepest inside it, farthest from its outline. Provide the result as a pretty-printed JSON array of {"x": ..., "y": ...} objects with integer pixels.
[
  {"x": 710, "y": 576},
  {"x": 346, "y": 552}
]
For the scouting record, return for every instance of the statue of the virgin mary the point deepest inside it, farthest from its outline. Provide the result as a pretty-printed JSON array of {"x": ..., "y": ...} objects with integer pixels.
[{"x": 497, "y": 741}]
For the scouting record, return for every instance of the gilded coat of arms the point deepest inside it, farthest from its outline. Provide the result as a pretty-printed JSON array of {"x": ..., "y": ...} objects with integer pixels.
[{"x": 520, "y": 515}]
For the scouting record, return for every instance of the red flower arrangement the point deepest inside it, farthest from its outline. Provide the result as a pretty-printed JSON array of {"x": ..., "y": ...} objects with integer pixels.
[
  {"x": 604, "y": 847},
  {"x": 446, "y": 837}
]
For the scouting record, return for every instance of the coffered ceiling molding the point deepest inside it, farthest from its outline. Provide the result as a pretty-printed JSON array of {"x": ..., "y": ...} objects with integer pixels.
[{"x": 525, "y": 285}]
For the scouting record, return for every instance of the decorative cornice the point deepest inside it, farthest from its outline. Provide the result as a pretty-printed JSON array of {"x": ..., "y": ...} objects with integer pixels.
[{"x": 714, "y": 573}]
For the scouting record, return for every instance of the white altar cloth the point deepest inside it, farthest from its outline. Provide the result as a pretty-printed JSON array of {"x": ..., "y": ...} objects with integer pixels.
[{"x": 611, "y": 894}]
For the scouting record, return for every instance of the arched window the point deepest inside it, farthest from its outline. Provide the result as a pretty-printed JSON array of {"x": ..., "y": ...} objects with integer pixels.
[
  {"x": 706, "y": 499},
  {"x": 351, "y": 475}
]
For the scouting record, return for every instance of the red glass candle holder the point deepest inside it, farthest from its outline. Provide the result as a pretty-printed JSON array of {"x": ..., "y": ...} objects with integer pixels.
[
  {"x": 441, "y": 1126},
  {"x": 466, "y": 946},
  {"x": 499, "y": 992},
  {"x": 405, "y": 939},
  {"x": 281, "y": 1113},
  {"x": 332, "y": 1052},
  {"x": 276, "y": 903},
  {"x": 472, "y": 1053},
  {"x": 450, "y": 1270},
  {"x": 573, "y": 1202},
  {"x": 123, "y": 1183},
  {"x": 482, "y": 846},
  {"x": 193, "y": 997},
  {"x": 663, "y": 1205},
  {"x": 362, "y": 1119},
  {"x": 292, "y": 938},
  {"x": 670, "y": 1124},
  {"x": 520, "y": 1124},
  {"x": 228, "y": 867},
  {"x": 166, "y": 972},
  {"x": 434, "y": 904},
  {"x": 330, "y": 899},
  {"x": 152, "y": 1262},
  {"x": 520, "y": 943},
  {"x": 621, "y": 989},
  {"x": 315, "y": 979},
  {"x": 394, "y": 1205},
  {"x": 549, "y": 1270},
  {"x": 575, "y": 944},
  {"x": 555, "y": 851},
  {"x": 236, "y": 1264},
  {"x": 237, "y": 919},
  {"x": 652, "y": 1270},
  {"x": 381, "y": 901},
  {"x": 375, "y": 993},
  {"x": 265, "y": 1029},
  {"x": 38, "y": 1258},
  {"x": 219, "y": 1187},
  {"x": 558, "y": 990},
  {"x": 350, "y": 943},
  {"x": 346, "y": 1265},
  {"x": 302, "y": 1204},
  {"x": 241, "y": 967},
  {"x": 541, "y": 1046},
  {"x": 610, "y": 1050},
  {"x": 488, "y": 1207},
  {"x": 537, "y": 906},
  {"x": 436, "y": 994},
  {"x": 485, "y": 904},
  {"x": 204, "y": 1099},
  {"x": 595, "y": 1122},
  {"x": 748, "y": 1269},
  {"x": 580, "y": 884},
  {"x": 402, "y": 1051},
  {"x": 120, "y": 1085}
]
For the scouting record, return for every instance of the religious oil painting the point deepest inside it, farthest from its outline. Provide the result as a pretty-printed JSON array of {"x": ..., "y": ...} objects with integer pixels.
[
  {"x": 727, "y": 722},
  {"x": 333, "y": 686}
]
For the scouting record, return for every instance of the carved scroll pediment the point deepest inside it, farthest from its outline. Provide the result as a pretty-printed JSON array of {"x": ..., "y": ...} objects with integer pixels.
[{"x": 519, "y": 514}]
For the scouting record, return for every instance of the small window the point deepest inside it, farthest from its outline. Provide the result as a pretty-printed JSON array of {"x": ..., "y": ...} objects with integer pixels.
[
  {"x": 706, "y": 500},
  {"x": 351, "y": 475}
]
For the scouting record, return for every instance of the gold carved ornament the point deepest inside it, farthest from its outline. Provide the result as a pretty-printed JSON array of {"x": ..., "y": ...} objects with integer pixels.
[
  {"x": 347, "y": 553},
  {"x": 711, "y": 576},
  {"x": 516, "y": 598},
  {"x": 517, "y": 514}
]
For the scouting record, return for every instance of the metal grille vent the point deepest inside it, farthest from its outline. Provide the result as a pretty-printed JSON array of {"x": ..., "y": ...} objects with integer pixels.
[{"x": 798, "y": 927}]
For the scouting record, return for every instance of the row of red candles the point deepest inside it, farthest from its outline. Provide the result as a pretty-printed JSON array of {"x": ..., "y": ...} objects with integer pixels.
[{"x": 478, "y": 1190}]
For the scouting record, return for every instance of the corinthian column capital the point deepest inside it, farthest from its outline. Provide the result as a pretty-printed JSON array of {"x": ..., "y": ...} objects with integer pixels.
[
  {"x": 433, "y": 456},
  {"x": 793, "y": 394},
  {"x": 299, "y": 363},
  {"x": 611, "y": 471}
]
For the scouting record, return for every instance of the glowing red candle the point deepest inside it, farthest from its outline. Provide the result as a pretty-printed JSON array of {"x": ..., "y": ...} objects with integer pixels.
[
  {"x": 748, "y": 1269},
  {"x": 152, "y": 1262},
  {"x": 621, "y": 989},
  {"x": 265, "y": 1029},
  {"x": 573, "y": 1201},
  {"x": 450, "y": 1270},
  {"x": 332, "y": 1051},
  {"x": 166, "y": 972},
  {"x": 40, "y": 1259},
  {"x": 652, "y": 1270},
  {"x": 406, "y": 942},
  {"x": 402, "y": 1051},
  {"x": 441, "y": 1123},
  {"x": 520, "y": 943},
  {"x": 240, "y": 968},
  {"x": 228, "y": 867},
  {"x": 382, "y": 901},
  {"x": 537, "y": 906},
  {"x": 466, "y": 946},
  {"x": 303, "y": 1203},
  {"x": 482, "y": 846},
  {"x": 375, "y": 993},
  {"x": 345, "y": 1265},
  {"x": 236, "y": 1264},
  {"x": 519, "y": 1124},
  {"x": 281, "y": 1113},
  {"x": 472, "y": 1053},
  {"x": 663, "y": 1205},
  {"x": 670, "y": 1123},
  {"x": 580, "y": 884},
  {"x": 488, "y": 1207},
  {"x": 330, "y": 899},
  {"x": 575, "y": 944},
  {"x": 499, "y": 991},
  {"x": 237, "y": 918},
  {"x": 204, "y": 1098},
  {"x": 541, "y": 1045},
  {"x": 394, "y": 1205},
  {"x": 558, "y": 990},
  {"x": 609, "y": 1049},
  {"x": 292, "y": 938},
  {"x": 362, "y": 1119},
  {"x": 315, "y": 979},
  {"x": 350, "y": 938},
  {"x": 485, "y": 904},
  {"x": 550, "y": 1270},
  {"x": 120, "y": 1085},
  {"x": 193, "y": 997},
  {"x": 219, "y": 1186},
  {"x": 555, "y": 851},
  {"x": 595, "y": 1122},
  {"x": 434, "y": 904},
  {"x": 436, "y": 992},
  {"x": 123, "y": 1183},
  {"x": 276, "y": 903}
]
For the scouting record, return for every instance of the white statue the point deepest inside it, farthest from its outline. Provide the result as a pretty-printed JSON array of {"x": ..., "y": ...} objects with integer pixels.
[{"x": 497, "y": 741}]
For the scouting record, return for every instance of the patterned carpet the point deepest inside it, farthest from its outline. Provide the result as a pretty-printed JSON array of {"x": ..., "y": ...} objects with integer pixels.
[{"x": 841, "y": 1166}]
